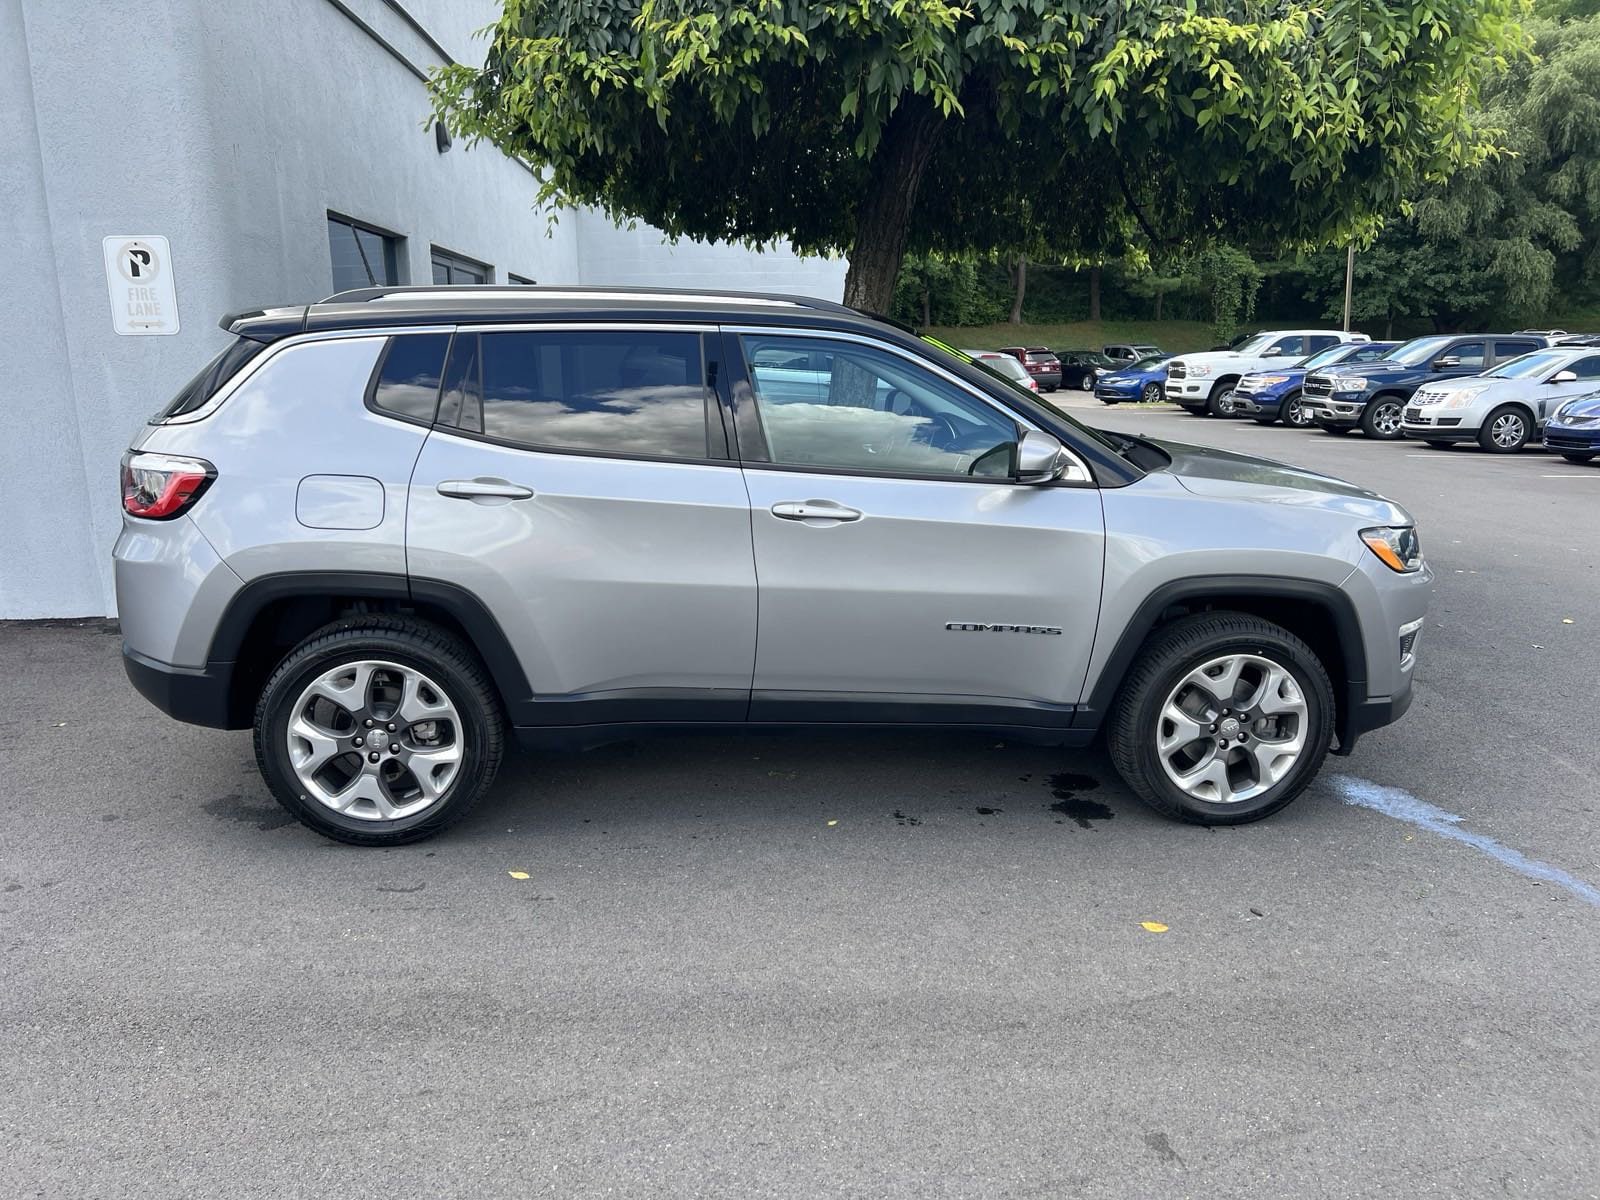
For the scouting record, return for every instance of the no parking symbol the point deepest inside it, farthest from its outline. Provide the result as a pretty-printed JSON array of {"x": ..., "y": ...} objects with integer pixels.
[{"x": 139, "y": 277}]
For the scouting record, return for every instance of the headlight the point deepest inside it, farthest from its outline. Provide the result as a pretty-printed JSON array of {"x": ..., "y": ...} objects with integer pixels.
[
  {"x": 1463, "y": 397},
  {"x": 1349, "y": 383},
  {"x": 1269, "y": 379},
  {"x": 1397, "y": 546},
  {"x": 1197, "y": 369}
]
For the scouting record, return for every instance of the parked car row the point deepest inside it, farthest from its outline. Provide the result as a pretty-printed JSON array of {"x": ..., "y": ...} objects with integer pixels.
[
  {"x": 1500, "y": 390},
  {"x": 1052, "y": 369}
]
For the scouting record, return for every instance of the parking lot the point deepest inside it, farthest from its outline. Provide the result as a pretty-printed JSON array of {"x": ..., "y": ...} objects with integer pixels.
[{"x": 877, "y": 966}]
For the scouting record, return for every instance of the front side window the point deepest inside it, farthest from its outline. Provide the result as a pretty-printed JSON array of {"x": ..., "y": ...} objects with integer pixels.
[
  {"x": 858, "y": 408},
  {"x": 407, "y": 379},
  {"x": 1286, "y": 346},
  {"x": 1466, "y": 354},
  {"x": 1587, "y": 368},
  {"x": 637, "y": 393}
]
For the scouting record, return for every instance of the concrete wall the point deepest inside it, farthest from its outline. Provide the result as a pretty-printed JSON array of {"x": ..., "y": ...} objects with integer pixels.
[{"x": 232, "y": 129}]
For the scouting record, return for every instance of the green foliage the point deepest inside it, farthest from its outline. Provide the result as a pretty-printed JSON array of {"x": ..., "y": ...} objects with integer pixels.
[
  {"x": 950, "y": 291},
  {"x": 1516, "y": 236},
  {"x": 1087, "y": 128},
  {"x": 1230, "y": 279}
]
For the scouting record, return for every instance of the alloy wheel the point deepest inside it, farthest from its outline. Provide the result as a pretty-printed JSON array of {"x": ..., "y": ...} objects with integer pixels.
[
  {"x": 1294, "y": 413},
  {"x": 1508, "y": 431},
  {"x": 1386, "y": 419},
  {"x": 1232, "y": 728},
  {"x": 375, "y": 740}
]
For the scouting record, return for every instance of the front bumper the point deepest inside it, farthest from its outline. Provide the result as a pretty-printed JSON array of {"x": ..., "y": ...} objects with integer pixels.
[
  {"x": 1338, "y": 409},
  {"x": 1436, "y": 433},
  {"x": 1255, "y": 404},
  {"x": 1565, "y": 439},
  {"x": 1118, "y": 393}
]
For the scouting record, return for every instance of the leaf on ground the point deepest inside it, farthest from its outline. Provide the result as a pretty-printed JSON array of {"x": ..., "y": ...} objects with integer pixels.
[
  {"x": 517, "y": 874},
  {"x": 1153, "y": 926}
]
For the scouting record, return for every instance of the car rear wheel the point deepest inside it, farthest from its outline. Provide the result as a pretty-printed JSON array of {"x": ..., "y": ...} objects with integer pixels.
[
  {"x": 378, "y": 730},
  {"x": 1579, "y": 459},
  {"x": 1381, "y": 419},
  {"x": 1224, "y": 719},
  {"x": 1505, "y": 432},
  {"x": 1087, "y": 383},
  {"x": 1151, "y": 393},
  {"x": 1294, "y": 412}
]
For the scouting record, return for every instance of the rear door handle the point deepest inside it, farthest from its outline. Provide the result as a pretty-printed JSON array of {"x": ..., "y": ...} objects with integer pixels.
[
  {"x": 484, "y": 489},
  {"x": 814, "y": 510}
]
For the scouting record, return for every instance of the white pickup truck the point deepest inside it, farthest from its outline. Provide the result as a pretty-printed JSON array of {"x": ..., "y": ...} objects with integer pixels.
[{"x": 1203, "y": 383}]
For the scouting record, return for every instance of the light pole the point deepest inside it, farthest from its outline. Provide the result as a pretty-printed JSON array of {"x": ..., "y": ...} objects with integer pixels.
[{"x": 1349, "y": 282}]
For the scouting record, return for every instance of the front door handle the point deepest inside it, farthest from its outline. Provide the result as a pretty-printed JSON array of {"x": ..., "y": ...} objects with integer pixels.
[
  {"x": 814, "y": 510},
  {"x": 484, "y": 488}
]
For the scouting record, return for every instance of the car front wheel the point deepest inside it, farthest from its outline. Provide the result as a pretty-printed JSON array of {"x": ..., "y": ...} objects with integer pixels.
[
  {"x": 1221, "y": 403},
  {"x": 378, "y": 730},
  {"x": 1381, "y": 419},
  {"x": 1223, "y": 719},
  {"x": 1294, "y": 412},
  {"x": 1151, "y": 393},
  {"x": 1505, "y": 432},
  {"x": 1087, "y": 383}
]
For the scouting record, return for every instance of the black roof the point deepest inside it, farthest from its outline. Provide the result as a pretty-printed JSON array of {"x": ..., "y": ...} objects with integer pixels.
[{"x": 367, "y": 308}]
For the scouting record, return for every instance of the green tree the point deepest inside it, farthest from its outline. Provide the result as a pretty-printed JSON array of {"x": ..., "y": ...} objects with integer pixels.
[{"x": 1082, "y": 124}]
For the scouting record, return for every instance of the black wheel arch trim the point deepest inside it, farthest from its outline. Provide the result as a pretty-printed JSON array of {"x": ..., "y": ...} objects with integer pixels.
[
  {"x": 487, "y": 638},
  {"x": 1326, "y": 596}
]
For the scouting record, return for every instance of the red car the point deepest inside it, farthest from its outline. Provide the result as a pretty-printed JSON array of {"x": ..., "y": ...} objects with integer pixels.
[{"x": 1042, "y": 364}]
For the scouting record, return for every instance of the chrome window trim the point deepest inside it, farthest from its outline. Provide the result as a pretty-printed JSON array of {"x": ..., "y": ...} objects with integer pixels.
[
  {"x": 272, "y": 351},
  {"x": 927, "y": 364}
]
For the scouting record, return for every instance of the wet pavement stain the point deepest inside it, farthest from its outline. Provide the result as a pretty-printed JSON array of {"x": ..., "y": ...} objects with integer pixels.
[
  {"x": 232, "y": 807},
  {"x": 1162, "y": 1146},
  {"x": 988, "y": 812},
  {"x": 1065, "y": 788},
  {"x": 13, "y": 887},
  {"x": 906, "y": 818},
  {"x": 418, "y": 888}
]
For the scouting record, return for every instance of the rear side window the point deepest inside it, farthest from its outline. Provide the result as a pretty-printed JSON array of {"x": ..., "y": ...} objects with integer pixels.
[
  {"x": 406, "y": 382},
  {"x": 212, "y": 376},
  {"x": 641, "y": 394},
  {"x": 1512, "y": 349}
]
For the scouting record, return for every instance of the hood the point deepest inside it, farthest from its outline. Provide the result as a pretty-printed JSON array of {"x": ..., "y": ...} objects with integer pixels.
[
  {"x": 1584, "y": 408},
  {"x": 1378, "y": 367},
  {"x": 1222, "y": 473}
]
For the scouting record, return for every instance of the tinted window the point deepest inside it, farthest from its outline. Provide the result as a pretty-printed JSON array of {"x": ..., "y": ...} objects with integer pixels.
[
  {"x": 407, "y": 381},
  {"x": 1321, "y": 341},
  {"x": 1586, "y": 368},
  {"x": 1470, "y": 354},
  {"x": 211, "y": 378},
  {"x": 863, "y": 409},
  {"x": 1285, "y": 346},
  {"x": 362, "y": 257},
  {"x": 1508, "y": 349},
  {"x": 637, "y": 393}
]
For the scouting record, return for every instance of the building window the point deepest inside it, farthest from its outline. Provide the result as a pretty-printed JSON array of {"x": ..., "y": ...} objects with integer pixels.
[
  {"x": 363, "y": 256},
  {"x": 520, "y": 280},
  {"x": 452, "y": 268}
]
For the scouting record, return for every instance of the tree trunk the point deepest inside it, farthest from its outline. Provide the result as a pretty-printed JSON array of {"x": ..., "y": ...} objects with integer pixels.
[
  {"x": 1160, "y": 294},
  {"x": 1094, "y": 293},
  {"x": 1019, "y": 277},
  {"x": 883, "y": 218},
  {"x": 1388, "y": 328},
  {"x": 927, "y": 307}
]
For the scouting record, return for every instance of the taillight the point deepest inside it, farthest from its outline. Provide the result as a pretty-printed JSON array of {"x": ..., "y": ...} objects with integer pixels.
[{"x": 159, "y": 487}]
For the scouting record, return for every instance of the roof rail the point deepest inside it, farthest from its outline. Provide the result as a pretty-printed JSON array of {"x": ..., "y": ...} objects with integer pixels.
[{"x": 579, "y": 292}]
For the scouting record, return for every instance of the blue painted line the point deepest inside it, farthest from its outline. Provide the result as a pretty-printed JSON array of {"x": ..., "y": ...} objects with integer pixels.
[{"x": 1402, "y": 805}]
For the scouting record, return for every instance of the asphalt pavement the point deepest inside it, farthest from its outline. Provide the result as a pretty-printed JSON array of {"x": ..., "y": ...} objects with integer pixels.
[{"x": 870, "y": 966}]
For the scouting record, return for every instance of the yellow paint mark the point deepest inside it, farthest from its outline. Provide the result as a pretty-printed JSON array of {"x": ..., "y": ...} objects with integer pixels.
[
  {"x": 1153, "y": 926},
  {"x": 517, "y": 874},
  {"x": 833, "y": 822}
]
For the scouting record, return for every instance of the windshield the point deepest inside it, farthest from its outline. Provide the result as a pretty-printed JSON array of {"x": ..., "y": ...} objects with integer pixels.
[
  {"x": 1331, "y": 355},
  {"x": 1149, "y": 361},
  {"x": 1004, "y": 364},
  {"x": 1419, "y": 350},
  {"x": 1529, "y": 364},
  {"x": 1255, "y": 345}
]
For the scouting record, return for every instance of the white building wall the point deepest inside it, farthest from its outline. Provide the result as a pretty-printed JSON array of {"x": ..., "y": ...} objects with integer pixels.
[{"x": 232, "y": 128}]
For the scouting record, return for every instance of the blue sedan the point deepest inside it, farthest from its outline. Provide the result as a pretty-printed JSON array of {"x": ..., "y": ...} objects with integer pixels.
[
  {"x": 1267, "y": 395},
  {"x": 1141, "y": 380},
  {"x": 1573, "y": 430}
]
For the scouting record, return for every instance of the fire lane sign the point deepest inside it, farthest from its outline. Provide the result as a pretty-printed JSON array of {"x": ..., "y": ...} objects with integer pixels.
[{"x": 144, "y": 300}]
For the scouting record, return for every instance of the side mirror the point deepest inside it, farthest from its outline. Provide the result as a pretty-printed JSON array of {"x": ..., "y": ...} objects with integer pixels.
[
  {"x": 1446, "y": 362},
  {"x": 1040, "y": 457},
  {"x": 1563, "y": 377}
]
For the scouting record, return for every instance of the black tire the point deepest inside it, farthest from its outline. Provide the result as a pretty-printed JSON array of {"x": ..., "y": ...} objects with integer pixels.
[
  {"x": 1336, "y": 430},
  {"x": 1170, "y": 654},
  {"x": 408, "y": 643},
  {"x": 1437, "y": 445},
  {"x": 1292, "y": 411},
  {"x": 1380, "y": 419},
  {"x": 1515, "y": 418},
  {"x": 1220, "y": 402},
  {"x": 1151, "y": 393},
  {"x": 1266, "y": 420},
  {"x": 1578, "y": 459}
]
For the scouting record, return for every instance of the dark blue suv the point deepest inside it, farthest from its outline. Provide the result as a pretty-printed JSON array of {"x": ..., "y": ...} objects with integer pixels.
[{"x": 1269, "y": 395}]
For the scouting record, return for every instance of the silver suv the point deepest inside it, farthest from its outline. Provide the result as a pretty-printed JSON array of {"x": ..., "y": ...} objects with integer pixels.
[{"x": 385, "y": 530}]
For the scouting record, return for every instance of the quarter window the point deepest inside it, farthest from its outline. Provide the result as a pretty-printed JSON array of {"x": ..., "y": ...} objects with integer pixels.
[
  {"x": 362, "y": 256},
  {"x": 639, "y": 393},
  {"x": 407, "y": 380},
  {"x": 856, "y": 408}
]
